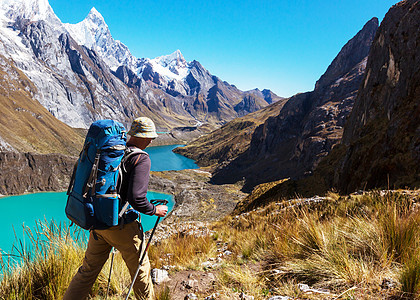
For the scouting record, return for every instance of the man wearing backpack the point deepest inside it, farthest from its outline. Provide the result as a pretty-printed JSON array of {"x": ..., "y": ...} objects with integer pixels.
[{"x": 128, "y": 236}]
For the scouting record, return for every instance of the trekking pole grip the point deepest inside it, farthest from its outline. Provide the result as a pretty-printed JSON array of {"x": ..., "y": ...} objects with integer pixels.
[{"x": 159, "y": 201}]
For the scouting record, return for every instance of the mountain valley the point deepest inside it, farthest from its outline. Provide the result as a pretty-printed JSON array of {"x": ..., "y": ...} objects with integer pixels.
[{"x": 315, "y": 196}]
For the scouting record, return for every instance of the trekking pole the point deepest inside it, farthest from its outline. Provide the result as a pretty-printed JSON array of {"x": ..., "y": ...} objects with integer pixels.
[
  {"x": 110, "y": 272},
  {"x": 163, "y": 202}
]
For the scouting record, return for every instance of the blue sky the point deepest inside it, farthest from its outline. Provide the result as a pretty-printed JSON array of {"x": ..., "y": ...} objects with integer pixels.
[{"x": 284, "y": 46}]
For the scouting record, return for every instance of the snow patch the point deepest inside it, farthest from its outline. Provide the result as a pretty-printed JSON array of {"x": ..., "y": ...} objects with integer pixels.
[
  {"x": 4, "y": 146},
  {"x": 173, "y": 66}
]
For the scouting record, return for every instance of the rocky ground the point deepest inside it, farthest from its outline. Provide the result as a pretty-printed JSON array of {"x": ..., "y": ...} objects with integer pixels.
[
  {"x": 200, "y": 283},
  {"x": 196, "y": 198}
]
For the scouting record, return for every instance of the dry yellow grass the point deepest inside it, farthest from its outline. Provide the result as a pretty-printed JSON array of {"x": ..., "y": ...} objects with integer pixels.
[
  {"x": 357, "y": 247},
  {"x": 344, "y": 242},
  {"x": 182, "y": 251}
]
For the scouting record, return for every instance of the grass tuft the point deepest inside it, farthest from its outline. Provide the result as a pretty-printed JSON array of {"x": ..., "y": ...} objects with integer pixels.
[{"x": 183, "y": 251}]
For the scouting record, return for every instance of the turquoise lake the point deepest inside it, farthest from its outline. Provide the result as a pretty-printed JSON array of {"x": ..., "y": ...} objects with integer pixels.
[
  {"x": 163, "y": 159},
  {"x": 17, "y": 211}
]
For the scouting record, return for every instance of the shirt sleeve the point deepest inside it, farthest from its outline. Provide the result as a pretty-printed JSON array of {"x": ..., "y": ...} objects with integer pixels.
[{"x": 138, "y": 183}]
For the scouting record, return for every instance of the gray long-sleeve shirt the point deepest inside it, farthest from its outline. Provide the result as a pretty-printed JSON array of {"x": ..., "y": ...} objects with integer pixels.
[{"x": 136, "y": 181}]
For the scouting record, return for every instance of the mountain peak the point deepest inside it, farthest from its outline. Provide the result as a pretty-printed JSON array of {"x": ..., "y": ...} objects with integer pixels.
[
  {"x": 178, "y": 54},
  {"x": 94, "y": 11},
  {"x": 172, "y": 66},
  {"x": 33, "y": 10},
  {"x": 92, "y": 31},
  {"x": 355, "y": 50},
  {"x": 95, "y": 17},
  {"x": 174, "y": 59}
]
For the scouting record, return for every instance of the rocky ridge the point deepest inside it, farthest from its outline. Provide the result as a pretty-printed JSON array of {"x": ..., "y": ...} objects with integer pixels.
[
  {"x": 381, "y": 140},
  {"x": 229, "y": 141}
]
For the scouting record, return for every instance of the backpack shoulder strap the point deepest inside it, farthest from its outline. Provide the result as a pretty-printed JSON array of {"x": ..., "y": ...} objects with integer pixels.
[
  {"x": 129, "y": 153},
  {"x": 73, "y": 177},
  {"x": 132, "y": 151}
]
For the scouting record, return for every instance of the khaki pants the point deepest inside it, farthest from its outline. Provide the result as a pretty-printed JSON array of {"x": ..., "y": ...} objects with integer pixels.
[{"x": 129, "y": 241}]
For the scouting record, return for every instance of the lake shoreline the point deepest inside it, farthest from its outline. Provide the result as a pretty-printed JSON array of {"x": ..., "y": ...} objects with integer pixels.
[{"x": 23, "y": 173}]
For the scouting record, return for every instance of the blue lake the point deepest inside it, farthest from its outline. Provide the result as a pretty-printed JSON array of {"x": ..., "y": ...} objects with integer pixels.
[
  {"x": 163, "y": 159},
  {"x": 17, "y": 211}
]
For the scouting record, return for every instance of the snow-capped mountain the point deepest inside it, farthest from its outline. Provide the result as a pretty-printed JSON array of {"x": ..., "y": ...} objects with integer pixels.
[
  {"x": 71, "y": 82},
  {"x": 94, "y": 34},
  {"x": 82, "y": 74},
  {"x": 172, "y": 66},
  {"x": 168, "y": 72},
  {"x": 28, "y": 9}
]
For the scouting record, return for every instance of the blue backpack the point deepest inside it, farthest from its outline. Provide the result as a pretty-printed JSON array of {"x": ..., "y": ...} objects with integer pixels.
[{"x": 93, "y": 200}]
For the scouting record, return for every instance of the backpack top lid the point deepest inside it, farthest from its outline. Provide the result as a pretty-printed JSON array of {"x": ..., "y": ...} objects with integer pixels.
[{"x": 106, "y": 133}]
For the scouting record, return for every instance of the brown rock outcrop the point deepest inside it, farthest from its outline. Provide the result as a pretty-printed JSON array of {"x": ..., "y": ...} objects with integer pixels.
[{"x": 27, "y": 172}]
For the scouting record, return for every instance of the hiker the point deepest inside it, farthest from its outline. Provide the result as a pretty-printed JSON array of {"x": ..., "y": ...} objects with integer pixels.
[{"x": 127, "y": 238}]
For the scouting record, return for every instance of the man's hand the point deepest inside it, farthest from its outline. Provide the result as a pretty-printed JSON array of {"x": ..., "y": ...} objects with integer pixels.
[{"x": 161, "y": 210}]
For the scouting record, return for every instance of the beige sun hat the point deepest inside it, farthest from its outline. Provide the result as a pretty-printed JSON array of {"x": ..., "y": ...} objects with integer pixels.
[{"x": 143, "y": 127}]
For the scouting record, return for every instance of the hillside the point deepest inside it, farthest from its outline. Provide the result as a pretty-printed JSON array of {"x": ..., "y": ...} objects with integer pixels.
[
  {"x": 229, "y": 141},
  {"x": 360, "y": 246},
  {"x": 25, "y": 125}
]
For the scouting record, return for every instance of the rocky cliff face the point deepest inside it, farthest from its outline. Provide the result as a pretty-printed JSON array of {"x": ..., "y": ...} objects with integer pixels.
[
  {"x": 308, "y": 126},
  {"x": 20, "y": 173},
  {"x": 71, "y": 82},
  {"x": 25, "y": 125},
  {"x": 381, "y": 140}
]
